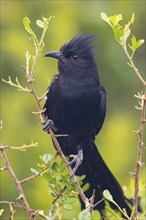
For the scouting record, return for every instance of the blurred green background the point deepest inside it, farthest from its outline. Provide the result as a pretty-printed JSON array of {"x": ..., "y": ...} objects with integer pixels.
[{"x": 117, "y": 141}]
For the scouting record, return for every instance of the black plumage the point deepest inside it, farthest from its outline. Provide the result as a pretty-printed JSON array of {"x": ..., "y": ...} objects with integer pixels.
[{"x": 76, "y": 103}]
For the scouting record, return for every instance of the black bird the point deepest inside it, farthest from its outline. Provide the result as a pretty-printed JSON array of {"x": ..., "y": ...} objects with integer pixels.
[{"x": 76, "y": 103}]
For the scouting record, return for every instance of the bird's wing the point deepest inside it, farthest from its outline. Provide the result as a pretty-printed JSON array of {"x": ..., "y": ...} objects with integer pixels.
[
  {"x": 51, "y": 89},
  {"x": 102, "y": 109}
]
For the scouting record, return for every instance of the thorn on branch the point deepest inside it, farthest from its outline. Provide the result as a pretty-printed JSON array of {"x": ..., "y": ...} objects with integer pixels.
[
  {"x": 129, "y": 64},
  {"x": 3, "y": 168},
  {"x": 144, "y": 121},
  {"x": 140, "y": 163},
  {"x": 43, "y": 96},
  {"x": 138, "y": 108},
  {"x": 137, "y": 131},
  {"x": 131, "y": 173}
]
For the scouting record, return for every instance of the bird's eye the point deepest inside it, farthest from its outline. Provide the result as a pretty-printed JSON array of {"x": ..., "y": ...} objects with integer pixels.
[{"x": 75, "y": 57}]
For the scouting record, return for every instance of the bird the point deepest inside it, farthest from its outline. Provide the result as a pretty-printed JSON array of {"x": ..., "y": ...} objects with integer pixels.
[{"x": 76, "y": 107}]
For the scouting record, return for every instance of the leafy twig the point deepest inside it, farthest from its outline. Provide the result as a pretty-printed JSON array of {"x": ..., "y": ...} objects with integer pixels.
[
  {"x": 121, "y": 35},
  {"x": 38, "y": 173}
]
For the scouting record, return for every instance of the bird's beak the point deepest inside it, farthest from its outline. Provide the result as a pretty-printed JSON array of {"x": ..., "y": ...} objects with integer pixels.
[{"x": 55, "y": 54}]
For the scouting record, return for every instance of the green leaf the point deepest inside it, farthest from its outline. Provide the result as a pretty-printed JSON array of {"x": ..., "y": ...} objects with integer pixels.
[
  {"x": 26, "y": 23},
  {"x": 85, "y": 215},
  {"x": 105, "y": 18},
  {"x": 34, "y": 171},
  {"x": 55, "y": 167},
  {"x": 82, "y": 177},
  {"x": 53, "y": 181},
  {"x": 71, "y": 199},
  {"x": 67, "y": 207},
  {"x": 118, "y": 32},
  {"x": 86, "y": 187},
  {"x": 107, "y": 195},
  {"x": 96, "y": 215},
  {"x": 42, "y": 166},
  {"x": 115, "y": 19},
  {"x": 52, "y": 193},
  {"x": 62, "y": 166},
  {"x": 111, "y": 211},
  {"x": 40, "y": 24},
  {"x": 112, "y": 20},
  {"x": 135, "y": 44},
  {"x": 132, "y": 18},
  {"x": 47, "y": 158},
  {"x": 59, "y": 178}
]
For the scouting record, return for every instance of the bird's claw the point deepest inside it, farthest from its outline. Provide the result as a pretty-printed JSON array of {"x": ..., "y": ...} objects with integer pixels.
[
  {"x": 49, "y": 124},
  {"x": 77, "y": 159}
]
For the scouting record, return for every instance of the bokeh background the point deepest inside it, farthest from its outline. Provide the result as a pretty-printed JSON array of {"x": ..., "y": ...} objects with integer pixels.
[{"x": 117, "y": 142}]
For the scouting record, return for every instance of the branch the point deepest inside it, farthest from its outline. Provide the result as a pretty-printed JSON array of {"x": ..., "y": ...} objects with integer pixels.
[
  {"x": 121, "y": 34},
  {"x": 81, "y": 193},
  {"x": 39, "y": 173},
  {"x": 30, "y": 79},
  {"x": 29, "y": 74},
  {"x": 24, "y": 147},
  {"x": 139, "y": 156},
  {"x": 142, "y": 108},
  {"x": 17, "y": 85},
  {"x": 27, "y": 208},
  {"x": 132, "y": 65}
]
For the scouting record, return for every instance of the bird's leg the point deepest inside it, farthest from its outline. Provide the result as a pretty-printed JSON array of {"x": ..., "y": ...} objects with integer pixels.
[
  {"x": 49, "y": 124},
  {"x": 77, "y": 159}
]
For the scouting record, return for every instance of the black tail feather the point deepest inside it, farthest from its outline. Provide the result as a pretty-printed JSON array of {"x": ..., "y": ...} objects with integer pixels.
[{"x": 100, "y": 178}]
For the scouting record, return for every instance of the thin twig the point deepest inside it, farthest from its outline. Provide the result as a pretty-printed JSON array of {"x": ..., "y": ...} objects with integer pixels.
[
  {"x": 142, "y": 108},
  {"x": 16, "y": 204},
  {"x": 81, "y": 193},
  {"x": 3, "y": 168},
  {"x": 139, "y": 158},
  {"x": 27, "y": 208},
  {"x": 24, "y": 147},
  {"x": 131, "y": 64},
  {"x": 39, "y": 173}
]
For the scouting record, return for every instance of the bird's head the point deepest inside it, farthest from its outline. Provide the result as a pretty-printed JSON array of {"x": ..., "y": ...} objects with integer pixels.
[{"x": 76, "y": 56}]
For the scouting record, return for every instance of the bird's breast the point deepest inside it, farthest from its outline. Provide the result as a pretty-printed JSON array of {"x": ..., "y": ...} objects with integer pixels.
[{"x": 77, "y": 104}]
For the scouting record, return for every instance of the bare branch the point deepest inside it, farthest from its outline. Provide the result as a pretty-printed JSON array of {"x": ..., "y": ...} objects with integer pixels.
[
  {"x": 3, "y": 168},
  {"x": 139, "y": 156},
  {"x": 27, "y": 208},
  {"x": 24, "y": 147},
  {"x": 17, "y": 85}
]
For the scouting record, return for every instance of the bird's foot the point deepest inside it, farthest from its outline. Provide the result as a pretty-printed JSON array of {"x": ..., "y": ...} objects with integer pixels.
[
  {"x": 49, "y": 124},
  {"x": 77, "y": 159}
]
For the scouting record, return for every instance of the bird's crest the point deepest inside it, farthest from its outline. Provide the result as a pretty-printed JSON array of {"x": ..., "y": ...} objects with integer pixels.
[{"x": 80, "y": 45}]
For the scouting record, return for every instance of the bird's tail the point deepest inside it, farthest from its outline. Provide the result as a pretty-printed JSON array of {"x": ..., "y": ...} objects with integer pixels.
[{"x": 100, "y": 178}]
